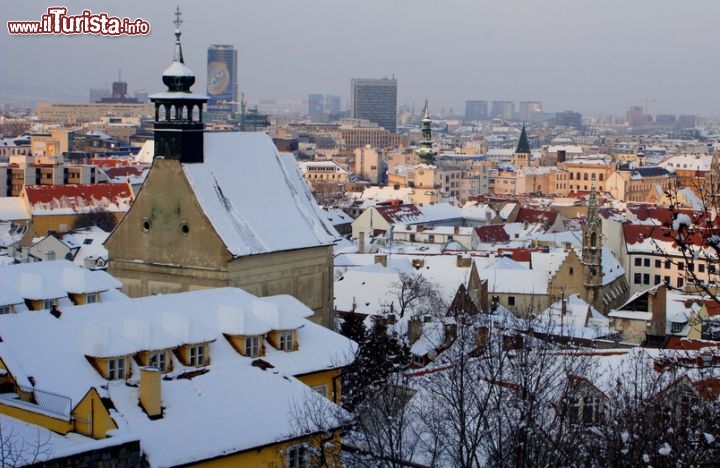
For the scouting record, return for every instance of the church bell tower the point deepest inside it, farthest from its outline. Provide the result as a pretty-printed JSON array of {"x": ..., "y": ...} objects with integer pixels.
[{"x": 179, "y": 128}]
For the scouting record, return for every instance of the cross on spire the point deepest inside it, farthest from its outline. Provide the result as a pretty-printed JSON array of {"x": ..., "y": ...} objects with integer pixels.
[{"x": 177, "y": 20}]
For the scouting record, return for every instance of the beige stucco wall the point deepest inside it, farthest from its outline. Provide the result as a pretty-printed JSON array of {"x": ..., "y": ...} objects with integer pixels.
[{"x": 164, "y": 259}]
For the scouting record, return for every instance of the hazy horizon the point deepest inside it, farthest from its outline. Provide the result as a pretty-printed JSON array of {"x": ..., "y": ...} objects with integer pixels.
[{"x": 592, "y": 57}]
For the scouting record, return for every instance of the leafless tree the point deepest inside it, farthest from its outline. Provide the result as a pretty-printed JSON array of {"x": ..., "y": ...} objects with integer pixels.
[
  {"x": 17, "y": 449},
  {"x": 414, "y": 293},
  {"x": 695, "y": 235}
]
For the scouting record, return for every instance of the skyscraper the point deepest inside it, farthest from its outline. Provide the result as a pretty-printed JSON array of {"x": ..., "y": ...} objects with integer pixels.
[
  {"x": 529, "y": 110},
  {"x": 503, "y": 110},
  {"x": 376, "y": 101},
  {"x": 222, "y": 88},
  {"x": 476, "y": 111}
]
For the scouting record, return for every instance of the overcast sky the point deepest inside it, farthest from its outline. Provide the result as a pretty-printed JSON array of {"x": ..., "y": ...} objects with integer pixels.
[{"x": 590, "y": 56}]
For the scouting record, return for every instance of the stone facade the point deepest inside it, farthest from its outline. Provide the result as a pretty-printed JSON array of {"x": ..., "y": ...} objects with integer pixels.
[{"x": 166, "y": 244}]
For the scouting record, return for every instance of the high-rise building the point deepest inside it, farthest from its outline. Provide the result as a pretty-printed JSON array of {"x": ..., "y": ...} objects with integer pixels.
[
  {"x": 316, "y": 104},
  {"x": 569, "y": 119},
  {"x": 222, "y": 87},
  {"x": 332, "y": 103},
  {"x": 503, "y": 110},
  {"x": 376, "y": 101},
  {"x": 687, "y": 121},
  {"x": 476, "y": 111},
  {"x": 530, "y": 110}
]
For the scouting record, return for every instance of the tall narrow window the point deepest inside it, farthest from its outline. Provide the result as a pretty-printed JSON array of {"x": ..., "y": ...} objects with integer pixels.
[{"x": 286, "y": 340}]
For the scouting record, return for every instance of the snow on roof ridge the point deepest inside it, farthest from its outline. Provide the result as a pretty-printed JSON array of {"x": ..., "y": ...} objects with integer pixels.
[
  {"x": 186, "y": 329},
  {"x": 106, "y": 342},
  {"x": 237, "y": 321},
  {"x": 273, "y": 315}
]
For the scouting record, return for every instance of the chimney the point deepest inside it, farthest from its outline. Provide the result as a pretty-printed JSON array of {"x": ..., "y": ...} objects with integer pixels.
[
  {"x": 657, "y": 307},
  {"x": 150, "y": 391},
  {"x": 414, "y": 329},
  {"x": 381, "y": 259},
  {"x": 450, "y": 334},
  {"x": 49, "y": 255},
  {"x": 361, "y": 242},
  {"x": 483, "y": 338},
  {"x": 418, "y": 263}
]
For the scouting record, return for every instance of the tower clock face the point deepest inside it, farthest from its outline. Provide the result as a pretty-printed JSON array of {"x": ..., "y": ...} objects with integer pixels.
[{"x": 218, "y": 78}]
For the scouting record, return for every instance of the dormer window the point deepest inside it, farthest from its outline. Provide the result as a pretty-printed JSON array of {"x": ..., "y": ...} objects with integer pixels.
[
  {"x": 286, "y": 342},
  {"x": 158, "y": 360},
  {"x": 92, "y": 298},
  {"x": 116, "y": 368},
  {"x": 252, "y": 346},
  {"x": 197, "y": 355},
  {"x": 6, "y": 309},
  {"x": 49, "y": 303}
]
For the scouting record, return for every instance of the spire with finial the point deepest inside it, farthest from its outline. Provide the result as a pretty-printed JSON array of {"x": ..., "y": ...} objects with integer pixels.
[
  {"x": 178, "y": 47},
  {"x": 592, "y": 203},
  {"x": 178, "y": 77},
  {"x": 426, "y": 152},
  {"x": 178, "y": 111}
]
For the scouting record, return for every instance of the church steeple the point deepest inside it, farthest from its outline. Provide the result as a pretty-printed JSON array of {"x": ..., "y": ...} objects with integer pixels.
[
  {"x": 179, "y": 128},
  {"x": 592, "y": 249},
  {"x": 523, "y": 144},
  {"x": 426, "y": 152}
]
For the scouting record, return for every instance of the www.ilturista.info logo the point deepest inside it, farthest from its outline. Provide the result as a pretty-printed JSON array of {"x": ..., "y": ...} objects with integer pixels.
[{"x": 57, "y": 21}]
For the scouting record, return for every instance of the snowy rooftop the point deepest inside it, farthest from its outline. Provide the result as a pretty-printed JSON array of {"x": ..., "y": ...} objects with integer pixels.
[
  {"x": 580, "y": 320},
  {"x": 194, "y": 409},
  {"x": 53, "y": 280},
  {"x": 13, "y": 209},
  {"x": 248, "y": 211}
]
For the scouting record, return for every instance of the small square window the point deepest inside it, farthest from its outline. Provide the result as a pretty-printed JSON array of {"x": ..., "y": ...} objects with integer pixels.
[
  {"x": 658, "y": 263},
  {"x": 701, "y": 268},
  {"x": 511, "y": 300},
  {"x": 646, "y": 278},
  {"x": 197, "y": 355},
  {"x": 668, "y": 264},
  {"x": 638, "y": 261},
  {"x": 637, "y": 278},
  {"x": 680, "y": 282},
  {"x": 681, "y": 266},
  {"x": 158, "y": 360},
  {"x": 646, "y": 262},
  {"x": 657, "y": 279},
  {"x": 116, "y": 369}
]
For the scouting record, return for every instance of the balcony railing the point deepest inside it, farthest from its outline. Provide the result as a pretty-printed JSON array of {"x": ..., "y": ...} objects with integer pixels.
[{"x": 34, "y": 398}]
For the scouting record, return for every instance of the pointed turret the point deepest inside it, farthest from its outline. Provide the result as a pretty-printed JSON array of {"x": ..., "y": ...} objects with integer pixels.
[
  {"x": 521, "y": 158},
  {"x": 179, "y": 128},
  {"x": 592, "y": 250},
  {"x": 426, "y": 152},
  {"x": 523, "y": 145}
]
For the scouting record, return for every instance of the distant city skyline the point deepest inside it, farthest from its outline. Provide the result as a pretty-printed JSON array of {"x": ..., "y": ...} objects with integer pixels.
[{"x": 590, "y": 57}]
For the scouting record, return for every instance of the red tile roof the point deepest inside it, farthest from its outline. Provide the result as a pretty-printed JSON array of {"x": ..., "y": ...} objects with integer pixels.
[
  {"x": 79, "y": 198},
  {"x": 399, "y": 212},
  {"x": 492, "y": 233},
  {"x": 638, "y": 233},
  {"x": 536, "y": 216},
  {"x": 681, "y": 343}
]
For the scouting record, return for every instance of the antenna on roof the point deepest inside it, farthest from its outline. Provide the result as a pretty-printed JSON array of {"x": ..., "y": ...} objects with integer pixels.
[{"x": 119, "y": 74}]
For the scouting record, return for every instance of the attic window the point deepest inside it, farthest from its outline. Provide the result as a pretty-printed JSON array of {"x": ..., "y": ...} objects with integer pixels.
[
  {"x": 184, "y": 228},
  {"x": 146, "y": 225},
  {"x": 87, "y": 241}
]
